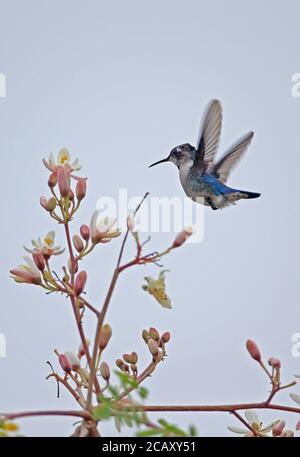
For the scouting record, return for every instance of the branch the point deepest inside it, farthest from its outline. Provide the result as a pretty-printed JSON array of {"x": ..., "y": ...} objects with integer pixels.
[
  {"x": 104, "y": 311},
  {"x": 219, "y": 408},
  {"x": 83, "y": 414}
]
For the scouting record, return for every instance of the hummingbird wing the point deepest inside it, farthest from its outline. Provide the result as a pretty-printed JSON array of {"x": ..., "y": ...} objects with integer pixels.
[
  {"x": 224, "y": 166},
  {"x": 210, "y": 135}
]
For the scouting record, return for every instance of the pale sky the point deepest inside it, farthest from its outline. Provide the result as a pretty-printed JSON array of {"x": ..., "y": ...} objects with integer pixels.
[{"x": 120, "y": 84}]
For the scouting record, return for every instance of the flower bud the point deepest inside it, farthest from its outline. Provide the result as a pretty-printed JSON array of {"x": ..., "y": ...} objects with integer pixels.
[
  {"x": 52, "y": 181},
  {"x": 182, "y": 237},
  {"x": 127, "y": 358},
  {"x": 81, "y": 351},
  {"x": 105, "y": 371},
  {"x": 65, "y": 363},
  {"x": 134, "y": 358},
  {"x": 81, "y": 189},
  {"x": 278, "y": 428},
  {"x": 145, "y": 335},
  {"x": 134, "y": 369},
  {"x": 153, "y": 347},
  {"x": 78, "y": 243},
  {"x": 131, "y": 358},
  {"x": 274, "y": 363},
  {"x": 165, "y": 337},
  {"x": 130, "y": 223},
  {"x": 105, "y": 336},
  {"x": 287, "y": 433},
  {"x": 70, "y": 196},
  {"x": 64, "y": 181},
  {"x": 80, "y": 282},
  {"x": 43, "y": 202},
  {"x": 154, "y": 333},
  {"x": 85, "y": 232},
  {"x": 253, "y": 350},
  {"x": 51, "y": 204},
  {"x": 120, "y": 363},
  {"x": 39, "y": 260}
]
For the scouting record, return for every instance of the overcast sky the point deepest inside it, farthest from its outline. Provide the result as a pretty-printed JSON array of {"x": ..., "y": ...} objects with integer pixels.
[{"x": 120, "y": 84}]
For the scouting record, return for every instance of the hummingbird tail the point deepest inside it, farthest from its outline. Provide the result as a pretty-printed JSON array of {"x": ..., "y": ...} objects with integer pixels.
[{"x": 250, "y": 194}]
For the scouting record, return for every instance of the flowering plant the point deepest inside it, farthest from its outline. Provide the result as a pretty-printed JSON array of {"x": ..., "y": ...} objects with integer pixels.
[{"x": 85, "y": 373}]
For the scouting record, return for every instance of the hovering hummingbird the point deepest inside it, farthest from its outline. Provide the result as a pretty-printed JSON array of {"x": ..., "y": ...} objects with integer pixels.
[{"x": 202, "y": 179}]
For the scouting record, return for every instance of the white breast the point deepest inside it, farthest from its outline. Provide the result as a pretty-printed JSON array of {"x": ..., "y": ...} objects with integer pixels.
[{"x": 184, "y": 170}]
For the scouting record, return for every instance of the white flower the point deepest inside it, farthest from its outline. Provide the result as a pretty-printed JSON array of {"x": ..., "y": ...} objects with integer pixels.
[
  {"x": 63, "y": 159},
  {"x": 45, "y": 247},
  {"x": 103, "y": 229}
]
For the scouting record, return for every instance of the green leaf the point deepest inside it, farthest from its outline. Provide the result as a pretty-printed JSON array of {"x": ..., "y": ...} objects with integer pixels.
[{"x": 143, "y": 392}]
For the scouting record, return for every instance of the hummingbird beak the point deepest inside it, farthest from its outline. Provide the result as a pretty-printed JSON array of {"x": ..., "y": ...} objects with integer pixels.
[{"x": 160, "y": 161}]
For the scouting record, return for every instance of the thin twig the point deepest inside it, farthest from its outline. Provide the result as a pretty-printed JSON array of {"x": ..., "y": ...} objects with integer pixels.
[{"x": 104, "y": 311}]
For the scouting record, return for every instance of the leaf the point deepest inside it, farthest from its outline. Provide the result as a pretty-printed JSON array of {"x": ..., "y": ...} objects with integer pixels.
[
  {"x": 150, "y": 432},
  {"x": 143, "y": 392},
  {"x": 114, "y": 391},
  {"x": 193, "y": 430},
  {"x": 296, "y": 398}
]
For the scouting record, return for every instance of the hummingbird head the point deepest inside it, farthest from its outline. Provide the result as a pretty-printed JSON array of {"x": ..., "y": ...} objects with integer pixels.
[{"x": 179, "y": 155}]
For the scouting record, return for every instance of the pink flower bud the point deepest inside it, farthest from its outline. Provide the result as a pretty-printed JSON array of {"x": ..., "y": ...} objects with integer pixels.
[
  {"x": 153, "y": 347},
  {"x": 85, "y": 232},
  {"x": 80, "y": 282},
  {"x": 154, "y": 333},
  {"x": 64, "y": 181},
  {"x": 78, "y": 243},
  {"x": 165, "y": 337},
  {"x": 81, "y": 351},
  {"x": 278, "y": 428},
  {"x": 105, "y": 371},
  {"x": 182, "y": 237},
  {"x": 71, "y": 195},
  {"x": 253, "y": 350},
  {"x": 51, "y": 204},
  {"x": 81, "y": 189},
  {"x": 65, "y": 363},
  {"x": 105, "y": 336},
  {"x": 39, "y": 260},
  {"x": 52, "y": 181},
  {"x": 275, "y": 363}
]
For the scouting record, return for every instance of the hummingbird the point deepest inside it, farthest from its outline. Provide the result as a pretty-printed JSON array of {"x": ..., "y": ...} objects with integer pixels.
[{"x": 204, "y": 180}]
